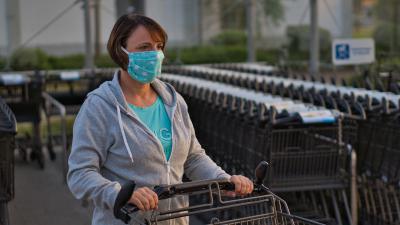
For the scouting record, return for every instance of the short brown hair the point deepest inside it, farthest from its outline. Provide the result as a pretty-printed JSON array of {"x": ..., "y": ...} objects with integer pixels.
[{"x": 123, "y": 28}]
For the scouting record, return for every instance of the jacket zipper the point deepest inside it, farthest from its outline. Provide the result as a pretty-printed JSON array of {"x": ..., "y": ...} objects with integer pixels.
[{"x": 168, "y": 161}]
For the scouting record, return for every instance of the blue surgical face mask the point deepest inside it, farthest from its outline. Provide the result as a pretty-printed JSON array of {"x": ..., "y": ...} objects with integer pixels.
[{"x": 144, "y": 66}]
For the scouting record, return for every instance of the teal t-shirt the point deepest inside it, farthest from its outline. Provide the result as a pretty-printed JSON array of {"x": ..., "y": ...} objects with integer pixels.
[{"x": 155, "y": 117}]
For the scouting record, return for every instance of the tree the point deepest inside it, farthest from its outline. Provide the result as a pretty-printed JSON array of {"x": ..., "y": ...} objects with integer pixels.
[
  {"x": 388, "y": 14},
  {"x": 233, "y": 13},
  {"x": 274, "y": 10}
]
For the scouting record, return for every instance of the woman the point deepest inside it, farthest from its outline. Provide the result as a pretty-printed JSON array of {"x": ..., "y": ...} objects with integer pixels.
[{"x": 136, "y": 128}]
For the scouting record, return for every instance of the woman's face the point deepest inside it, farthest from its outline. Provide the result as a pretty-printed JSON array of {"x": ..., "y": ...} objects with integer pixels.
[{"x": 141, "y": 40}]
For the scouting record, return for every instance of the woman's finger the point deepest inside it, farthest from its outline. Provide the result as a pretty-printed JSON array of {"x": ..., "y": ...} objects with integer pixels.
[
  {"x": 239, "y": 184},
  {"x": 252, "y": 186},
  {"x": 137, "y": 203},
  {"x": 153, "y": 196},
  {"x": 249, "y": 188},
  {"x": 150, "y": 199},
  {"x": 144, "y": 200},
  {"x": 245, "y": 185}
]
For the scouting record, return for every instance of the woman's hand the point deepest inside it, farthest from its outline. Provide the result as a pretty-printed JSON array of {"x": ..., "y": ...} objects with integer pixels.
[
  {"x": 243, "y": 185},
  {"x": 144, "y": 198}
]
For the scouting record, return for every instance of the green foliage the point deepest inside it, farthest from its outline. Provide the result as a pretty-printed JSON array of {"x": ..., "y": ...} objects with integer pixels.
[
  {"x": 230, "y": 38},
  {"x": 392, "y": 63},
  {"x": 29, "y": 59},
  {"x": 299, "y": 42},
  {"x": 384, "y": 11},
  {"x": 274, "y": 10},
  {"x": 2, "y": 63},
  {"x": 217, "y": 54},
  {"x": 383, "y": 35},
  {"x": 104, "y": 61},
  {"x": 190, "y": 55},
  {"x": 213, "y": 54},
  {"x": 75, "y": 61},
  {"x": 233, "y": 12},
  {"x": 269, "y": 56}
]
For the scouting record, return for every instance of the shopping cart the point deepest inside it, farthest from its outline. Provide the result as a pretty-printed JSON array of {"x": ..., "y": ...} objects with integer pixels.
[
  {"x": 8, "y": 129},
  {"x": 261, "y": 207},
  {"x": 22, "y": 93}
]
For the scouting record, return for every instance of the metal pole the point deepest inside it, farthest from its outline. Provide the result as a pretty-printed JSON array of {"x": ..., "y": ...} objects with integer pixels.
[
  {"x": 13, "y": 28},
  {"x": 250, "y": 15},
  {"x": 88, "y": 38},
  {"x": 8, "y": 37},
  {"x": 314, "y": 39},
  {"x": 97, "y": 28},
  {"x": 395, "y": 23},
  {"x": 353, "y": 187},
  {"x": 347, "y": 19},
  {"x": 200, "y": 21}
]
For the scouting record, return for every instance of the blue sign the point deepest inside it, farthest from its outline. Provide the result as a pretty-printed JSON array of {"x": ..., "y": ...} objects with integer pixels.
[{"x": 342, "y": 51}]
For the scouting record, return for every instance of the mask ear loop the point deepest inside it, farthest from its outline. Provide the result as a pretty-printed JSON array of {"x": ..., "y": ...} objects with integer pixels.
[{"x": 126, "y": 51}]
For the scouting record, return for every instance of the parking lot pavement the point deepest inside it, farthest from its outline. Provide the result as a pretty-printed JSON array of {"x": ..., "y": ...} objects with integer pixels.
[{"x": 42, "y": 198}]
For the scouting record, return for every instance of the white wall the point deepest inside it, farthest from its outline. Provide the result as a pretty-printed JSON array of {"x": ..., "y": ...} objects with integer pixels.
[
  {"x": 66, "y": 35},
  {"x": 294, "y": 10},
  {"x": 169, "y": 14},
  {"x": 178, "y": 17}
]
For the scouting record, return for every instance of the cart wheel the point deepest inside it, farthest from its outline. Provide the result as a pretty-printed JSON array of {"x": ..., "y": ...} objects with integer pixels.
[
  {"x": 4, "y": 213},
  {"x": 214, "y": 220},
  {"x": 23, "y": 153},
  {"x": 40, "y": 159},
  {"x": 33, "y": 156},
  {"x": 52, "y": 154}
]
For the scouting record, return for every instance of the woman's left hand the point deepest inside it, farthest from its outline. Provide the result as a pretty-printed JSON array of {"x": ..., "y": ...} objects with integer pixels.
[{"x": 243, "y": 185}]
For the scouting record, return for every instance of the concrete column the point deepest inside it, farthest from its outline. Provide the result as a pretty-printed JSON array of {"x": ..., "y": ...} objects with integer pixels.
[
  {"x": 13, "y": 25},
  {"x": 347, "y": 18},
  {"x": 314, "y": 38},
  {"x": 250, "y": 20}
]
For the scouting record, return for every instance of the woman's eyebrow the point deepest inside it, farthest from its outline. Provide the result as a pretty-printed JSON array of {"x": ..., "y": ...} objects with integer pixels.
[{"x": 144, "y": 43}]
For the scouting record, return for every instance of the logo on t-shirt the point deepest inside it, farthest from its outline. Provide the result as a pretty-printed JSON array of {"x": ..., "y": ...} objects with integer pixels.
[{"x": 163, "y": 134}]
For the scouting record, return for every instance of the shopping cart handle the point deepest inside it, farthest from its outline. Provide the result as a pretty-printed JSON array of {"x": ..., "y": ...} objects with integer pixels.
[
  {"x": 120, "y": 206},
  {"x": 123, "y": 209},
  {"x": 261, "y": 172}
]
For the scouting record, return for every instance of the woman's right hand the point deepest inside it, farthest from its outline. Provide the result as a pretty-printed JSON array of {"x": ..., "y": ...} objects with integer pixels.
[{"x": 144, "y": 198}]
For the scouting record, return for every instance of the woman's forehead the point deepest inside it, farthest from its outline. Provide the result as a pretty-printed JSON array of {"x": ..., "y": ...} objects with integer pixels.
[{"x": 142, "y": 35}]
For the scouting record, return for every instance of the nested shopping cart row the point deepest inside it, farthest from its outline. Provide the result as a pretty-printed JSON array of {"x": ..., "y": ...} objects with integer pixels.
[
  {"x": 383, "y": 81},
  {"x": 238, "y": 128},
  {"x": 54, "y": 92},
  {"x": 374, "y": 133},
  {"x": 368, "y": 110}
]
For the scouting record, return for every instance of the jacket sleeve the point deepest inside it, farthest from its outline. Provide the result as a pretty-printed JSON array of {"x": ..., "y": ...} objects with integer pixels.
[
  {"x": 199, "y": 165},
  {"x": 88, "y": 154}
]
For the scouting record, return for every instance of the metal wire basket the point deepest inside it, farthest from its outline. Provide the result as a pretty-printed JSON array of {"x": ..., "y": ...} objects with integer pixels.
[
  {"x": 7, "y": 132},
  {"x": 213, "y": 206}
]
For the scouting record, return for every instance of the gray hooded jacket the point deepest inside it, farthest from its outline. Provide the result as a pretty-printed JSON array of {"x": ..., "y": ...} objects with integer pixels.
[{"x": 111, "y": 146}]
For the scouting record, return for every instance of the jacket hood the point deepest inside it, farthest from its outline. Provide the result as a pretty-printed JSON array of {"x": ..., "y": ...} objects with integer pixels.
[{"x": 111, "y": 92}]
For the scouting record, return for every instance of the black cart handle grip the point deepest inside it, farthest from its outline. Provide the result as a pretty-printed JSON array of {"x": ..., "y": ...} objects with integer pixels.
[
  {"x": 122, "y": 200},
  {"x": 123, "y": 209}
]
